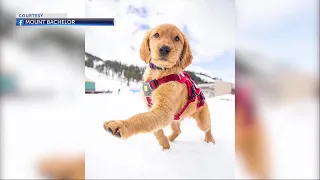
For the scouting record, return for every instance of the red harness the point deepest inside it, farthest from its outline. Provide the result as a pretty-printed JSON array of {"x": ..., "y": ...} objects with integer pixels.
[{"x": 193, "y": 90}]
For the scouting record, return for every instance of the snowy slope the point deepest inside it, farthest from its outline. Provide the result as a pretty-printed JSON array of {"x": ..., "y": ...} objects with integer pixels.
[
  {"x": 142, "y": 157},
  {"x": 104, "y": 82},
  {"x": 204, "y": 78}
]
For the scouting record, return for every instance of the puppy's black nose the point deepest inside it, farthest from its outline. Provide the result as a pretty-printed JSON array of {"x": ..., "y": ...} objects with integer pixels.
[{"x": 164, "y": 50}]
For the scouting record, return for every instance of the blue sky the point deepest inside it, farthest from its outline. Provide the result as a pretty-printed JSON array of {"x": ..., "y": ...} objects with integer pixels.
[
  {"x": 289, "y": 37},
  {"x": 222, "y": 66}
]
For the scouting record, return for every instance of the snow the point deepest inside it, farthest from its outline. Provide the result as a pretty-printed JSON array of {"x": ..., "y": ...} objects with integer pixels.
[
  {"x": 207, "y": 79},
  {"x": 226, "y": 97},
  {"x": 38, "y": 130},
  {"x": 142, "y": 157},
  {"x": 294, "y": 138},
  {"x": 104, "y": 82},
  {"x": 34, "y": 128}
]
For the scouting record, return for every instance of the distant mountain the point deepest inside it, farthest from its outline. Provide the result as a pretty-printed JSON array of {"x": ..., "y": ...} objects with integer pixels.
[{"x": 132, "y": 73}]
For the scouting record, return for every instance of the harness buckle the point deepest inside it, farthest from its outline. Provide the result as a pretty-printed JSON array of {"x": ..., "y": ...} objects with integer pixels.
[
  {"x": 193, "y": 93},
  {"x": 179, "y": 77},
  {"x": 202, "y": 98},
  {"x": 153, "y": 84}
]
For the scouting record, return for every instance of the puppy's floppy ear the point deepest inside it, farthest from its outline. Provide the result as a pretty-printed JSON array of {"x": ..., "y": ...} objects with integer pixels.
[
  {"x": 145, "y": 48},
  {"x": 186, "y": 56}
]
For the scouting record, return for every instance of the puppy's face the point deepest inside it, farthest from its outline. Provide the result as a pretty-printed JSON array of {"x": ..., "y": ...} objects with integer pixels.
[{"x": 166, "y": 46}]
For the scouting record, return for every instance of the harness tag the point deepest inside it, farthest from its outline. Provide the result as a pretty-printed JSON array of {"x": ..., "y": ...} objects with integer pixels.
[{"x": 146, "y": 89}]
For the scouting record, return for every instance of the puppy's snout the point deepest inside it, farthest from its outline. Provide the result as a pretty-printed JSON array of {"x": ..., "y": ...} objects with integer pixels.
[{"x": 164, "y": 50}]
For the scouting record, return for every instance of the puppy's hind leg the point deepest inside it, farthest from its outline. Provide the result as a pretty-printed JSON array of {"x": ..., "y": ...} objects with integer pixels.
[
  {"x": 162, "y": 139},
  {"x": 175, "y": 128},
  {"x": 202, "y": 116}
]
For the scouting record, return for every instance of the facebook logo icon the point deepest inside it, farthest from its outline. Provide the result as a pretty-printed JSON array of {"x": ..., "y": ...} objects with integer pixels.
[{"x": 20, "y": 22}]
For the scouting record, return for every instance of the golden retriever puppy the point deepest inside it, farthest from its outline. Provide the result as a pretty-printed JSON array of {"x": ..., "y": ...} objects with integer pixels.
[{"x": 167, "y": 51}]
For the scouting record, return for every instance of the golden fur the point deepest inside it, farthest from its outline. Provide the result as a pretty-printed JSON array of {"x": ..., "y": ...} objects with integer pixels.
[
  {"x": 251, "y": 145},
  {"x": 168, "y": 98}
]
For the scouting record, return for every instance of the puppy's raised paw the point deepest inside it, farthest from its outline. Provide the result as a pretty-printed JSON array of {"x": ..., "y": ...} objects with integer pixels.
[{"x": 118, "y": 129}]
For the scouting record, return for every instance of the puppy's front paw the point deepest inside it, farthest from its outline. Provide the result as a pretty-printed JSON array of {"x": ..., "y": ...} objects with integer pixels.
[
  {"x": 165, "y": 146},
  {"x": 118, "y": 129},
  {"x": 209, "y": 139}
]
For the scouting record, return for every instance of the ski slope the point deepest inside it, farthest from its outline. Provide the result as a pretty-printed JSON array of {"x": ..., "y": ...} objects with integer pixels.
[{"x": 141, "y": 156}]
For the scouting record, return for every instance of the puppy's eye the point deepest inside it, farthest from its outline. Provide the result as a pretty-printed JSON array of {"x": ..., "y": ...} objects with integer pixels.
[
  {"x": 177, "y": 38},
  {"x": 156, "y": 35}
]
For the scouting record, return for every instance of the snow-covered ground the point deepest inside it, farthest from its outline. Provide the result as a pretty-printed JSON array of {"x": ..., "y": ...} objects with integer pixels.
[
  {"x": 34, "y": 128},
  {"x": 293, "y": 132},
  {"x": 37, "y": 131},
  {"x": 31, "y": 128},
  {"x": 104, "y": 83},
  {"x": 142, "y": 157}
]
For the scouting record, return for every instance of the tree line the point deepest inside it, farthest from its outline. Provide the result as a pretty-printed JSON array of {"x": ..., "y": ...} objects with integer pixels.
[{"x": 129, "y": 73}]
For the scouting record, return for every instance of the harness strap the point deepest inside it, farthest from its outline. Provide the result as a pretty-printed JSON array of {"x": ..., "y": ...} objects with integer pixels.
[
  {"x": 177, "y": 116},
  {"x": 149, "y": 100},
  {"x": 193, "y": 91},
  {"x": 172, "y": 77}
]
